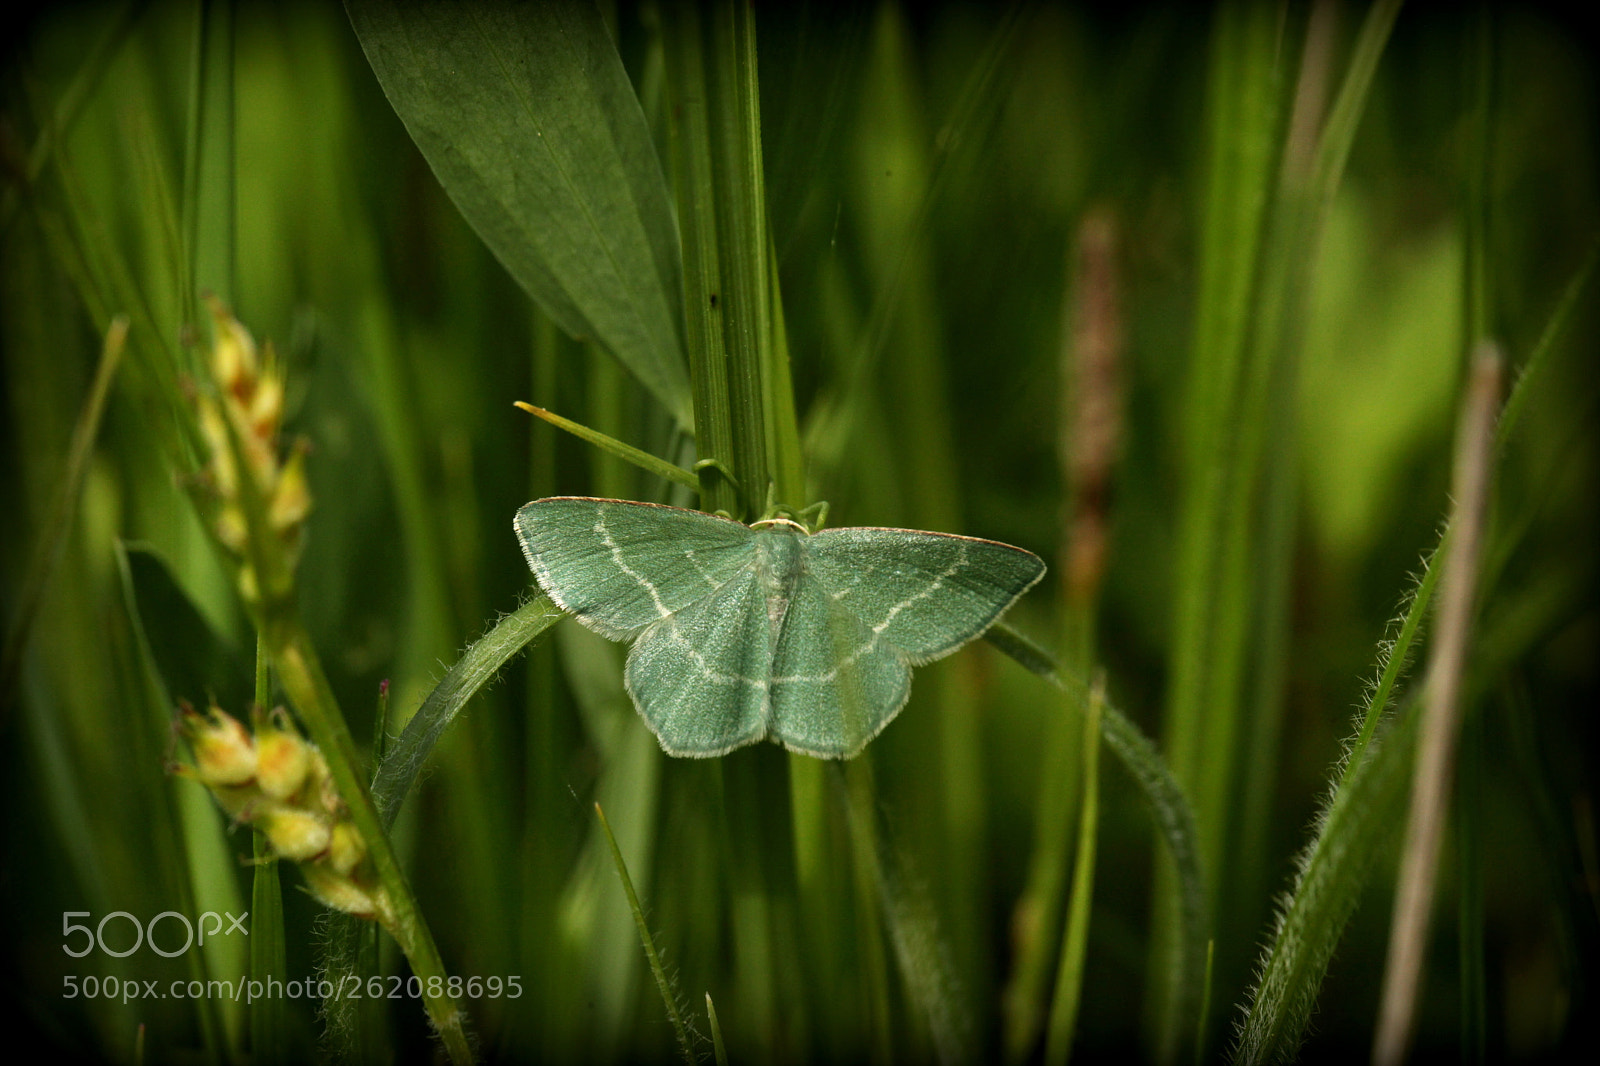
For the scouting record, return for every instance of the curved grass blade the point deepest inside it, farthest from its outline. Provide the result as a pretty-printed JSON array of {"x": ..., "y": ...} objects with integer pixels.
[
  {"x": 1169, "y": 806},
  {"x": 1358, "y": 819},
  {"x": 1333, "y": 868},
  {"x": 476, "y": 668},
  {"x": 528, "y": 120},
  {"x": 1330, "y": 872},
  {"x": 398, "y": 771}
]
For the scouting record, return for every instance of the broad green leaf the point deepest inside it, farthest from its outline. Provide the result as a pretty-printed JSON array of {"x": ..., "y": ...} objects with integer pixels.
[{"x": 531, "y": 125}]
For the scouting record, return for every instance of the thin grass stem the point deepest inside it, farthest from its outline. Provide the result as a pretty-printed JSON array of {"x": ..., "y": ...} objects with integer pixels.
[
  {"x": 1436, "y": 752},
  {"x": 268, "y": 947},
  {"x": 650, "y": 464},
  {"x": 53, "y": 536},
  {"x": 1063, "y": 1025},
  {"x": 663, "y": 985}
]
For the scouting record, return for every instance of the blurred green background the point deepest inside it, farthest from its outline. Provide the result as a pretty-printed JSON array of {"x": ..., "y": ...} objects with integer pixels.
[{"x": 927, "y": 173}]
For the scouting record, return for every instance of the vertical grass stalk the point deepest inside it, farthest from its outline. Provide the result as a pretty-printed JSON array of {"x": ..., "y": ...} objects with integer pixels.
[
  {"x": 1063, "y": 1025},
  {"x": 268, "y": 949},
  {"x": 1230, "y": 649},
  {"x": 1092, "y": 417},
  {"x": 1432, "y": 784},
  {"x": 209, "y": 222},
  {"x": 1211, "y": 598}
]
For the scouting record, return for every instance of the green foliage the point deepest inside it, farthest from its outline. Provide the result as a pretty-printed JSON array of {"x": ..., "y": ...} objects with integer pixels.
[
  {"x": 801, "y": 255},
  {"x": 530, "y": 124}
]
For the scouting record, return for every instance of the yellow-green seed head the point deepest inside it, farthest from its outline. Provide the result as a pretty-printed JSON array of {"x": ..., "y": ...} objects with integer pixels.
[
  {"x": 283, "y": 758},
  {"x": 320, "y": 783},
  {"x": 236, "y": 801},
  {"x": 224, "y": 478},
  {"x": 231, "y": 528},
  {"x": 291, "y": 497},
  {"x": 249, "y": 588},
  {"x": 346, "y": 849},
  {"x": 233, "y": 351},
  {"x": 264, "y": 408},
  {"x": 293, "y": 832},
  {"x": 342, "y": 894},
  {"x": 224, "y": 753}
]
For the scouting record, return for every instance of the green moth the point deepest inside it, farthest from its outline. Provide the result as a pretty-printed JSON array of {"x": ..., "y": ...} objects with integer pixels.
[{"x": 746, "y": 633}]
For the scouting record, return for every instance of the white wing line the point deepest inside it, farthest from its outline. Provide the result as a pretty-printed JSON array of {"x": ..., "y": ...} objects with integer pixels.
[
  {"x": 616, "y": 557},
  {"x": 688, "y": 553},
  {"x": 848, "y": 589},
  {"x": 706, "y": 671},
  {"x": 938, "y": 583},
  {"x": 877, "y": 630}
]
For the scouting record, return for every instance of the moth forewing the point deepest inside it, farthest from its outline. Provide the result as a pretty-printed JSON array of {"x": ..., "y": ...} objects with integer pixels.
[
  {"x": 619, "y": 566},
  {"x": 925, "y": 593}
]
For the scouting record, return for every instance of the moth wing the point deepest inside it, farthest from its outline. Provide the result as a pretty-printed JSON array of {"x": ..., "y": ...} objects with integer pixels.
[
  {"x": 699, "y": 676},
  {"x": 618, "y": 566},
  {"x": 925, "y": 593},
  {"x": 835, "y": 683}
]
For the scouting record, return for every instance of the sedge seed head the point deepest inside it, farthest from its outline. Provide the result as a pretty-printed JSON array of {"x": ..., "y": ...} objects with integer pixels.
[
  {"x": 346, "y": 849},
  {"x": 233, "y": 351},
  {"x": 294, "y": 832},
  {"x": 283, "y": 757},
  {"x": 341, "y": 893},
  {"x": 224, "y": 753}
]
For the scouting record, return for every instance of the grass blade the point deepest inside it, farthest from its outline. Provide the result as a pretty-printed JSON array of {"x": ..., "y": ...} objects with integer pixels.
[
  {"x": 403, "y": 761},
  {"x": 1441, "y": 725},
  {"x": 690, "y": 139},
  {"x": 1069, "y": 981},
  {"x": 53, "y": 537},
  {"x": 1355, "y": 826},
  {"x": 728, "y": 301},
  {"x": 268, "y": 957},
  {"x": 268, "y": 949},
  {"x": 1169, "y": 806},
  {"x": 720, "y": 1051},
  {"x": 1203, "y": 720},
  {"x": 656, "y": 969},
  {"x": 628, "y": 453},
  {"x": 210, "y": 218},
  {"x": 477, "y": 667},
  {"x": 531, "y": 125}
]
